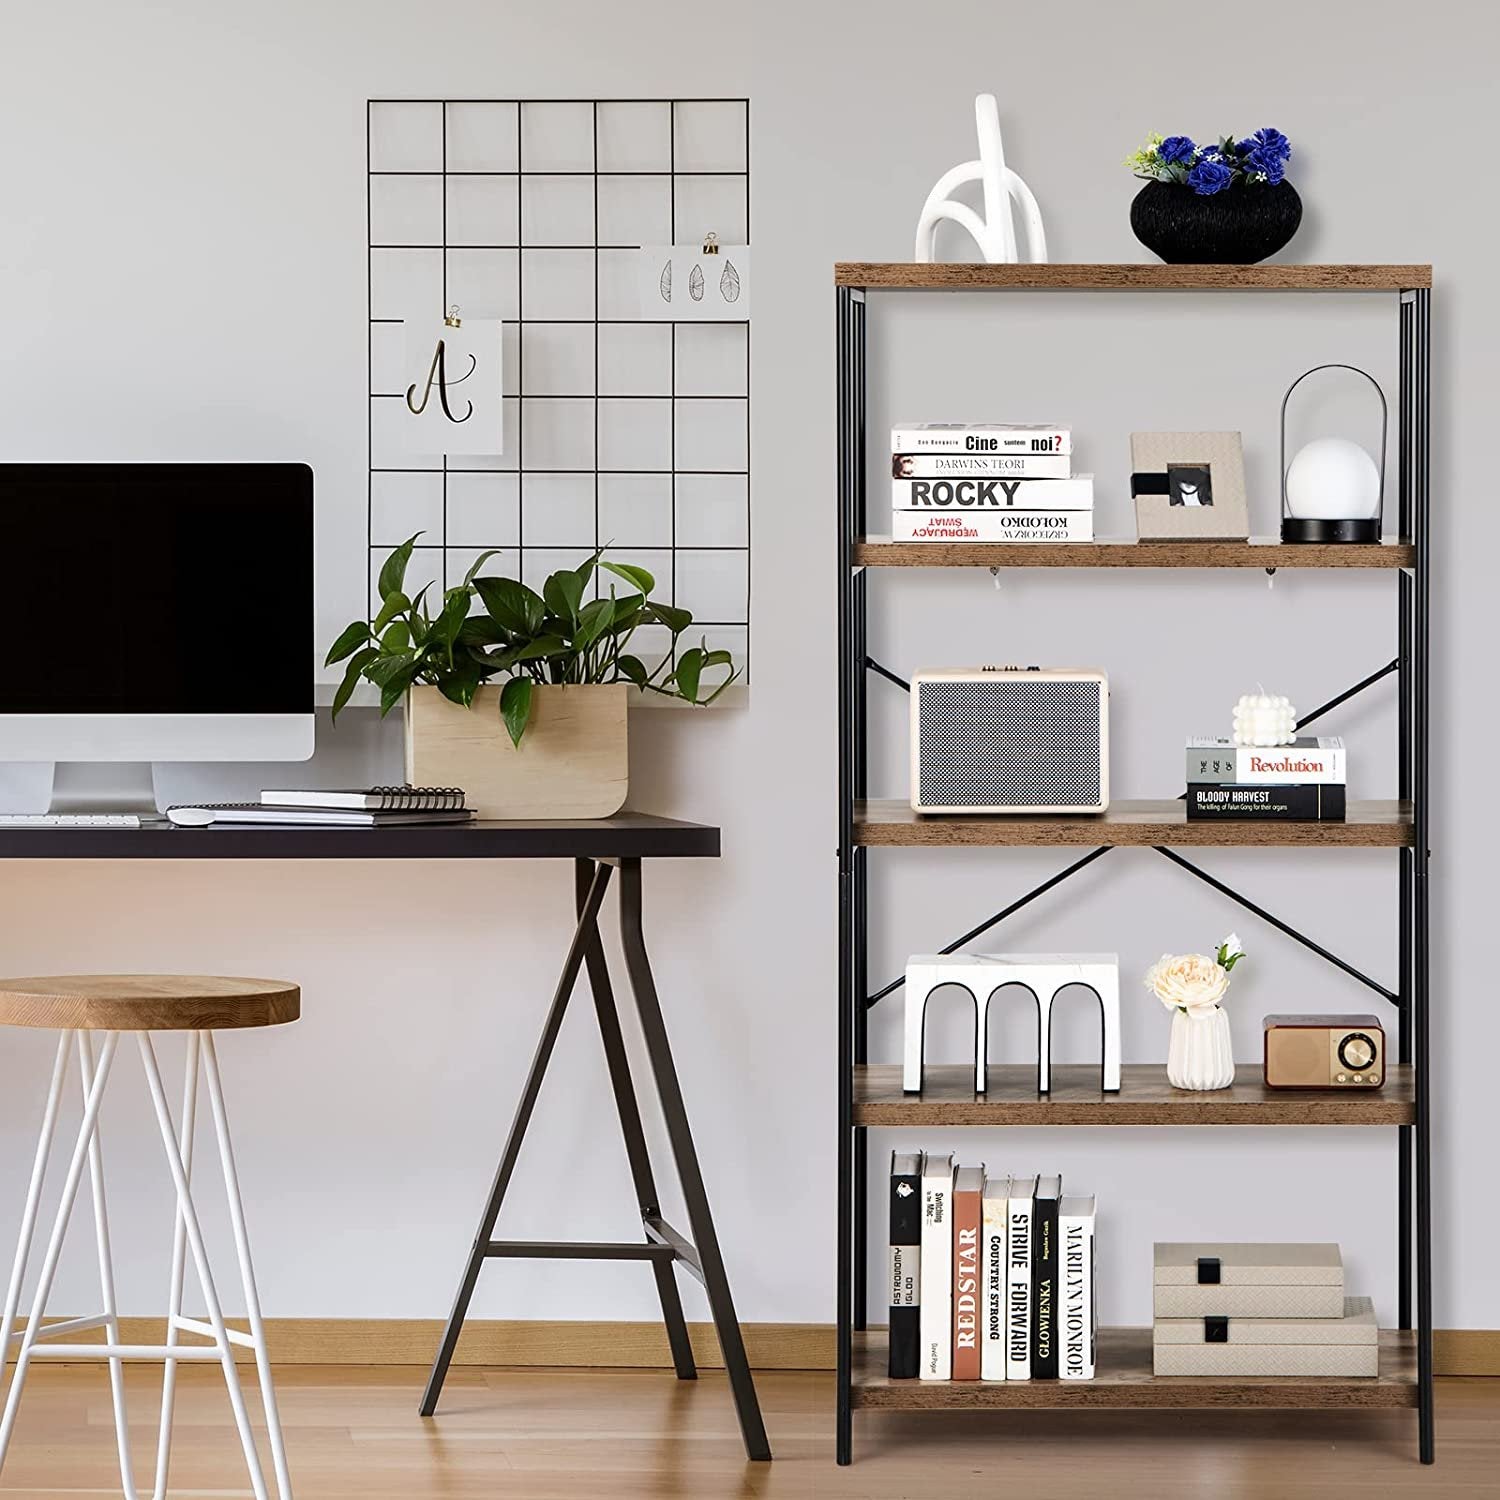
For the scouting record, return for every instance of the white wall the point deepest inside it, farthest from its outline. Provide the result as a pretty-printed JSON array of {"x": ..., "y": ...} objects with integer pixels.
[{"x": 182, "y": 276}]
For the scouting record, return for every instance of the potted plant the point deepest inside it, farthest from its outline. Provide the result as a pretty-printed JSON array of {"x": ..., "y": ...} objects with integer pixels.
[
  {"x": 518, "y": 697},
  {"x": 1200, "y": 1054},
  {"x": 1228, "y": 203}
]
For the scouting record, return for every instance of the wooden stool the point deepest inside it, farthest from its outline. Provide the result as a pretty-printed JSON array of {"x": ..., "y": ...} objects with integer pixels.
[{"x": 78, "y": 1006}]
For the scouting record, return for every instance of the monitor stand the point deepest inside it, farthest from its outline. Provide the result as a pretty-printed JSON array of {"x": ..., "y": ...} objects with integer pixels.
[{"x": 82, "y": 787}]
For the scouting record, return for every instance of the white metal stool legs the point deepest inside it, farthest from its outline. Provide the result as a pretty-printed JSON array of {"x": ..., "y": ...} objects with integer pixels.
[
  {"x": 37, "y": 1340},
  {"x": 223, "y": 1342},
  {"x": 33, "y": 1329},
  {"x": 189, "y": 1119},
  {"x": 247, "y": 1268},
  {"x": 106, "y": 1272}
]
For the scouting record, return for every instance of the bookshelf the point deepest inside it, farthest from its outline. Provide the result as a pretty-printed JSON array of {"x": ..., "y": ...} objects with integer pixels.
[{"x": 870, "y": 1094}]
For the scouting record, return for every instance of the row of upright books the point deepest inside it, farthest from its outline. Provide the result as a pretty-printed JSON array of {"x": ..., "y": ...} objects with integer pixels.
[
  {"x": 952, "y": 482},
  {"x": 1298, "y": 782},
  {"x": 991, "y": 1278}
]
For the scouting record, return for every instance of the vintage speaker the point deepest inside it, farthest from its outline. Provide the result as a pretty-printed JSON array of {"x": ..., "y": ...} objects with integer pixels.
[
  {"x": 1010, "y": 740},
  {"x": 1322, "y": 1052}
]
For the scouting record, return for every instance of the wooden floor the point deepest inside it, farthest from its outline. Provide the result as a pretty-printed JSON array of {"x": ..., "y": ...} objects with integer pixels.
[{"x": 640, "y": 1435}]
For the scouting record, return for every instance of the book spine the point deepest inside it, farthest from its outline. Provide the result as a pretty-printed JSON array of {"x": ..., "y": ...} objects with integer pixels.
[
  {"x": 1290, "y": 803},
  {"x": 905, "y": 1274},
  {"x": 1018, "y": 1291},
  {"x": 981, "y": 440},
  {"x": 993, "y": 526},
  {"x": 980, "y": 466},
  {"x": 978, "y": 494},
  {"x": 992, "y": 1257},
  {"x": 935, "y": 1297},
  {"x": 1044, "y": 1352},
  {"x": 967, "y": 1216},
  {"x": 1243, "y": 766},
  {"x": 1079, "y": 1316}
]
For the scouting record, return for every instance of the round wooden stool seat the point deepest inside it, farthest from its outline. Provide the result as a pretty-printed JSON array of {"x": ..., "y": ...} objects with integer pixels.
[{"x": 147, "y": 1002}]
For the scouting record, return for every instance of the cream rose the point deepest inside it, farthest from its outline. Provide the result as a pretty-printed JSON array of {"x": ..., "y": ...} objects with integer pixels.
[{"x": 1193, "y": 982}]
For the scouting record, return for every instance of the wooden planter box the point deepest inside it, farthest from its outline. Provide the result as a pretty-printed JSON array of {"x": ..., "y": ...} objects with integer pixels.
[{"x": 572, "y": 761}]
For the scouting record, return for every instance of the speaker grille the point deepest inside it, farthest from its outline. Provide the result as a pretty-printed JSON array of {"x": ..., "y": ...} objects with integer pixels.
[{"x": 1008, "y": 743}]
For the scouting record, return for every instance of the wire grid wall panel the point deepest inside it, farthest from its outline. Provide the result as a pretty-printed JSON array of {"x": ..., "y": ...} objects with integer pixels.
[{"x": 620, "y": 430}]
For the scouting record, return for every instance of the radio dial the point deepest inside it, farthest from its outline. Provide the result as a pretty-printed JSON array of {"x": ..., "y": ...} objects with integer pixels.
[{"x": 1356, "y": 1051}]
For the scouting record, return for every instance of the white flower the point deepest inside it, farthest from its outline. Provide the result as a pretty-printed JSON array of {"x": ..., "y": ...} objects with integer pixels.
[{"x": 1192, "y": 982}]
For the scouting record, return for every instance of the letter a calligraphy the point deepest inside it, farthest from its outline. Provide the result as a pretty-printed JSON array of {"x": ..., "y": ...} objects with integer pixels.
[{"x": 438, "y": 371}]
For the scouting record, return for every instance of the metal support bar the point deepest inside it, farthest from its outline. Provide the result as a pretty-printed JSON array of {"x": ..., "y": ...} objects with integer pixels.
[
  {"x": 678, "y": 1245},
  {"x": 1359, "y": 687},
  {"x": 1279, "y": 925},
  {"x": 574, "y": 1250},
  {"x": 1000, "y": 916},
  {"x": 874, "y": 666}
]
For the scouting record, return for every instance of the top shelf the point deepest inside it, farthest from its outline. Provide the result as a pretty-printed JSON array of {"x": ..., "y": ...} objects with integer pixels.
[{"x": 1145, "y": 277}]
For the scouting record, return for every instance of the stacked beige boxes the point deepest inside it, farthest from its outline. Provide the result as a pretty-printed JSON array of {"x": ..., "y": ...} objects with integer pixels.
[{"x": 1277, "y": 1309}]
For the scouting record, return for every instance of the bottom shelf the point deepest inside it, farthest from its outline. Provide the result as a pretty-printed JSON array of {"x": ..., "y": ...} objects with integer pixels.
[{"x": 1125, "y": 1380}]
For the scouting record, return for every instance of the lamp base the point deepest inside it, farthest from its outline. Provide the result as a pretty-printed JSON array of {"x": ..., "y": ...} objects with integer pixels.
[{"x": 1295, "y": 529}]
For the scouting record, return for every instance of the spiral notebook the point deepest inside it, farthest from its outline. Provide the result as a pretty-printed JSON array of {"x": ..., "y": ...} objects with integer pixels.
[{"x": 374, "y": 799}]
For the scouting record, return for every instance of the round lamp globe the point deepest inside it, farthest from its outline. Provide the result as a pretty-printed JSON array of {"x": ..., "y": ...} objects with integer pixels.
[{"x": 1333, "y": 479}]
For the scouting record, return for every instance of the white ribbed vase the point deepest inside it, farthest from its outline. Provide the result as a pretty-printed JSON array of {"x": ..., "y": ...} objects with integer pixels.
[{"x": 1200, "y": 1054}]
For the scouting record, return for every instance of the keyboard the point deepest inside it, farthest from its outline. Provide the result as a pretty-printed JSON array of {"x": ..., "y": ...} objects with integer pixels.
[{"x": 69, "y": 820}]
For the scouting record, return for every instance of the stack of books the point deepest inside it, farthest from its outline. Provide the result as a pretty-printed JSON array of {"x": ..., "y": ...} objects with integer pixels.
[
  {"x": 1273, "y": 1309},
  {"x": 363, "y": 807},
  {"x": 951, "y": 482},
  {"x": 1303, "y": 780},
  {"x": 992, "y": 1278}
]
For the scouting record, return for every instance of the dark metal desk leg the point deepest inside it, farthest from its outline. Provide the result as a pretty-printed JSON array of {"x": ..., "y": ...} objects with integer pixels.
[
  {"x": 685, "y": 1154},
  {"x": 630, "y": 1128},
  {"x": 587, "y": 929}
]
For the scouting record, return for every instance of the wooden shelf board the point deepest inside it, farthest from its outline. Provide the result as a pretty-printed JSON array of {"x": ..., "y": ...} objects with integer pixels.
[
  {"x": 1124, "y": 1380},
  {"x": 1130, "y": 277},
  {"x": 1123, "y": 552},
  {"x": 1368, "y": 825},
  {"x": 1145, "y": 1098}
]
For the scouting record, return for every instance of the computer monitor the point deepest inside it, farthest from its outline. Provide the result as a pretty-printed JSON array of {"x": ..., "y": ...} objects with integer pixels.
[{"x": 157, "y": 612}]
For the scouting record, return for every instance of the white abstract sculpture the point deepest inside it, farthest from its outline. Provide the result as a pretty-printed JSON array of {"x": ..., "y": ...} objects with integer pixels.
[
  {"x": 1264, "y": 719},
  {"x": 983, "y": 975},
  {"x": 995, "y": 233}
]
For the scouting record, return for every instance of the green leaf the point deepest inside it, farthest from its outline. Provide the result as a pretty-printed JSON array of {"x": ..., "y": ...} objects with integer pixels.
[
  {"x": 393, "y": 570},
  {"x": 676, "y": 620},
  {"x": 389, "y": 667},
  {"x": 393, "y": 691},
  {"x": 352, "y": 673},
  {"x": 395, "y": 604},
  {"x": 512, "y": 605},
  {"x": 350, "y": 641},
  {"x": 633, "y": 669},
  {"x": 593, "y": 620},
  {"x": 478, "y": 563},
  {"x": 460, "y": 685},
  {"x": 689, "y": 670},
  {"x": 631, "y": 574},
  {"x": 397, "y": 636},
  {"x": 543, "y": 646},
  {"x": 515, "y": 707},
  {"x": 480, "y": 630},
  {"x": 563, "y": 592},
  {"x": 455, "y": 611}
]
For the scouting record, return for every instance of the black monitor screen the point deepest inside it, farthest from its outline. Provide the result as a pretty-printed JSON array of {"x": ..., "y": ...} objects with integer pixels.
[{"x": 157, "y": 588}]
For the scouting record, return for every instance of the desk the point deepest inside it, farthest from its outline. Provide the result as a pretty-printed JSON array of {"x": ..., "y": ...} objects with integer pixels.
[{"x": 598, "y": 849}]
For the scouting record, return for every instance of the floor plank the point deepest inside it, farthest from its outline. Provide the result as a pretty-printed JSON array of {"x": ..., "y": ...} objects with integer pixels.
[{"x": 353, "y": 1434}]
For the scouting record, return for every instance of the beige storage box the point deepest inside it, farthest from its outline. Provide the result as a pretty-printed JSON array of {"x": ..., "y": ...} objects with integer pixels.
[
  {"x": 1248, "y": 1281},
  {"x": 1348, "y": 1345}
]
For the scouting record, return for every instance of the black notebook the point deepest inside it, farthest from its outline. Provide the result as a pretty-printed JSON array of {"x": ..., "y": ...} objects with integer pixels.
[{"x": 375, "y": 799}]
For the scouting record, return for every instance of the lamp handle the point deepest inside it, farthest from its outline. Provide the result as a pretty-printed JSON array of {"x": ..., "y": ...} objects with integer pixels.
[{"x": 1384, "y": 425}]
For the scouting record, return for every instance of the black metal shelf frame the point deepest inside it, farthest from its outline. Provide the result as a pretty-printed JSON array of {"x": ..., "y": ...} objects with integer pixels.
[{"x": 1411, "y": 993}]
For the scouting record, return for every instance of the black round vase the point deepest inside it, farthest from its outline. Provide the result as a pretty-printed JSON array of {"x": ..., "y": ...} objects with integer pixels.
[{"x": 1238, "y": 226}]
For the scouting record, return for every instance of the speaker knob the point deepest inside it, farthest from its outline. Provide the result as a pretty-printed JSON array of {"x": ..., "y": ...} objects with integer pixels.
[{"x": 1356, "y": 1051}]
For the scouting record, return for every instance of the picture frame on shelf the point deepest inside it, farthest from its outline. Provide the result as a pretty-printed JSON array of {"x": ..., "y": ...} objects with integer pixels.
[{"x": 1189, "y": 486}]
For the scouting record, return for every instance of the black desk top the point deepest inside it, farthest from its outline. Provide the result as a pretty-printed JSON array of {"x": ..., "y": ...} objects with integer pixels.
[{"x": 627, "y": 835}]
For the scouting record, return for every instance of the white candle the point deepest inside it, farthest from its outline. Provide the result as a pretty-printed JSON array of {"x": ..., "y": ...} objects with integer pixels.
[{"x": 1263, "y": 719}]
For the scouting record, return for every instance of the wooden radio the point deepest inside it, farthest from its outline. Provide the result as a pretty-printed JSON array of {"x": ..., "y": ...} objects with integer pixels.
[{"x": 1324, "y": 1052}]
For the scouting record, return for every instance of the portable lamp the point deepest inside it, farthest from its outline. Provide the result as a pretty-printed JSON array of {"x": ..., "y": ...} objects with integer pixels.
[{"x": 1332, "y": 491}]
